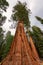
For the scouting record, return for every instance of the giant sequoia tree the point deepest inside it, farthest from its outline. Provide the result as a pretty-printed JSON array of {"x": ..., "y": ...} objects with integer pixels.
[
  {"x": 21, "y": 52},
  {"x": 21, "y": 13}
]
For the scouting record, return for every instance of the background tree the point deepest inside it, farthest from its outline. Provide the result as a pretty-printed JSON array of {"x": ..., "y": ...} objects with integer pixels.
[
  {"x": 41, "y": 38},
  {"x": 6, "y": 44},
  {"x": 3, "y": 6},
  {"x": 1, "y": 41},
  {"x": 37, "y": 35}
]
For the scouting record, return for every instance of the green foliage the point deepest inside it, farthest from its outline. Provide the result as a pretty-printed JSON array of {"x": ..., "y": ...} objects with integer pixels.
[
  {"x": 39, "y": 37},
  {"x": 3, "y": 4},
  {"x": 3, "y": 7},
  {"x": 2, "y": 19},
  {"x": 21, "y": 13},
  {"x": 1, "y": 41},
  {"x": 39, "y": 19},
  {"x": 6, "y": 45}
]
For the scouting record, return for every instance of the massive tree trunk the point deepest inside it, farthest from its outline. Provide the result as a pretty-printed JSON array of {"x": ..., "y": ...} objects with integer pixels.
[{"x": 20, "y": 52}]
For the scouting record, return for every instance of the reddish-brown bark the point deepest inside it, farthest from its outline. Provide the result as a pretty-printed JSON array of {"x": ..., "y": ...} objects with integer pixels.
[
  {"x": 34, "y": 51},
  {"x": 21, "y": 53}
]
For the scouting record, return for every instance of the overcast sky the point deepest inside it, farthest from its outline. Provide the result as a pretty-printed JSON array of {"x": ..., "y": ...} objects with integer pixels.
[{"x": 36, "y": 7}]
